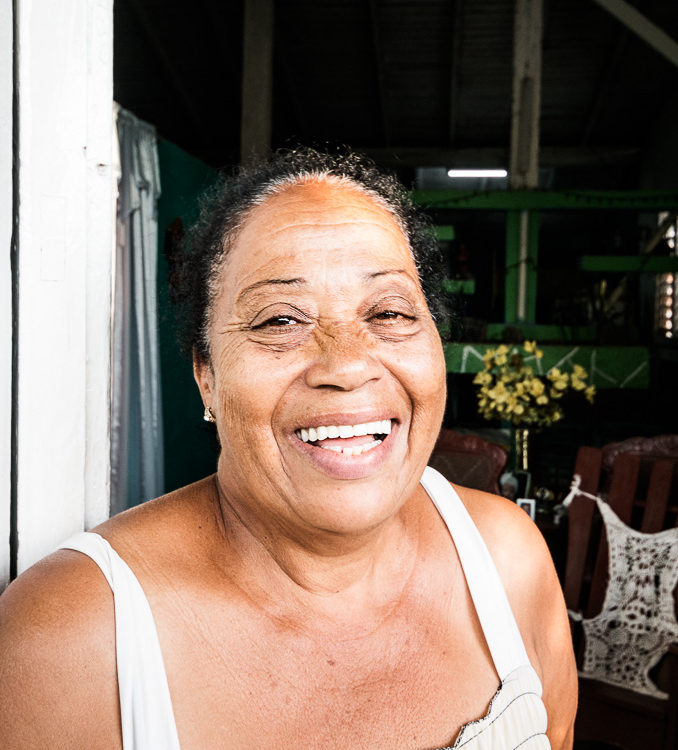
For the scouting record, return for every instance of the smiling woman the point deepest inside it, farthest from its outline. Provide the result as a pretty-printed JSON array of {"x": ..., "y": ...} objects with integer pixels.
[{"x": 324, "y": 588}]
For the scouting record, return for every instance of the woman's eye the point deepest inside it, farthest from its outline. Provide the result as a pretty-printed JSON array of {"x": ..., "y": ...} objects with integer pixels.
[
  {"x": 392, "y": 315},
  {"x": 278, "y": 321}
]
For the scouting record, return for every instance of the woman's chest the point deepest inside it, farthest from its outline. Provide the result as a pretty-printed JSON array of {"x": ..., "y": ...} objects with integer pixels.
[{"x": 411, "y": 686}]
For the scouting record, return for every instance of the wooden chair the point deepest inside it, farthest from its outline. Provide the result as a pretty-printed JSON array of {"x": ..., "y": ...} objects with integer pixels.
[
  {"x": 640, "y": 478},
  {"x": 468, "y": 460}
]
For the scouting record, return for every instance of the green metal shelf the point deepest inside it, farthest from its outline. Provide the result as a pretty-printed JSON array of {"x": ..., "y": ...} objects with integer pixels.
[{"x": 547, "y": 200}]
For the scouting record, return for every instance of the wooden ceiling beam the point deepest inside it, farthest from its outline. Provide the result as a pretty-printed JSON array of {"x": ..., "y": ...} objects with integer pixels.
[
  {"x": 526, "y": 107},
  {"x": 257, "y": 79},
  {"x": 648, "y": 31},
  {"x": 379, "y": 67}
]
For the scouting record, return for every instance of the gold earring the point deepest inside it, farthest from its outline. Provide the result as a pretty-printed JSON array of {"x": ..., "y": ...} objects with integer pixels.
[{"x": 208, "y": 416}]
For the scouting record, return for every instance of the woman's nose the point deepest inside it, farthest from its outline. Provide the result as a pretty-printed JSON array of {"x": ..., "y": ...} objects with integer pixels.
[{"x": 344, "y": 359}]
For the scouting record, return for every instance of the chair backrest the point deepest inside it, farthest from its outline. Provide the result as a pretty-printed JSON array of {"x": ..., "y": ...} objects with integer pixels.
[
  {"x": 468, "y": 460},
  {"x": 639, "y": 478}
]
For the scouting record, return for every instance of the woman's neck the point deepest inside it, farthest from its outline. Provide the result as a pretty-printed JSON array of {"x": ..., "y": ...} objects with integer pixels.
[{"x": 339, "y": 575}]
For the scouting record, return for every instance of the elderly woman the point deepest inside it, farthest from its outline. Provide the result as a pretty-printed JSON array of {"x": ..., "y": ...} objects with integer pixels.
[{"x": 323, "y": 589}]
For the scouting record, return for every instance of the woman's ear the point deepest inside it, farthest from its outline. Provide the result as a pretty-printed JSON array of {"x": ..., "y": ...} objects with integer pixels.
[{"x": 204, "y": 377}]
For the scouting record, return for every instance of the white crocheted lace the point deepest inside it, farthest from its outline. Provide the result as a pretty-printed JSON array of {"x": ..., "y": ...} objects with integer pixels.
[{"x": 637, "y": 623}]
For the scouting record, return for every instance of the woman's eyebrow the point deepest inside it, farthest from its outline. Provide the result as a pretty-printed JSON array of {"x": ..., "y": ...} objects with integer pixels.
[
  {"x": 268, "y": 282},
  {"x": 301, "y": 281},
  {"x": 377, "y": 274}
]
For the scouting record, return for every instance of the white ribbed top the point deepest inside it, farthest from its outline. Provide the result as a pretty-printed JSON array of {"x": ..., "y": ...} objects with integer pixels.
[
  {"x": 145, "y": 705},
  {"x": 516, "y": 717}
]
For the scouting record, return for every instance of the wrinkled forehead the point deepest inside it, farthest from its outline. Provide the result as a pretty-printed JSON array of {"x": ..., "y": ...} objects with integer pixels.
[
  {"x": 309, "y": 218},
  {"x": 325, "y": 197}
]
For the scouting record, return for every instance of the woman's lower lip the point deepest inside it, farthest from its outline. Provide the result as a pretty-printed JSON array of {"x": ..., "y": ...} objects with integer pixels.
[{"x": 342, "y": 466}]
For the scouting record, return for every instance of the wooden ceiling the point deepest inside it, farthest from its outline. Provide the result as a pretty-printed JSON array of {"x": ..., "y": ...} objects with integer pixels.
[{"x": 414, "y": 82}]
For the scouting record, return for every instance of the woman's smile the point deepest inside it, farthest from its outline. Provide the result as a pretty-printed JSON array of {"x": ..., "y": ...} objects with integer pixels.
[{"x": 347, "y": 451}]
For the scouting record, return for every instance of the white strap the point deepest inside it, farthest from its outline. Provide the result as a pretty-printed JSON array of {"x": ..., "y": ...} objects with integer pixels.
[
  {"x": 487, "y": 591},
  {"x": 145, "y": 704}
]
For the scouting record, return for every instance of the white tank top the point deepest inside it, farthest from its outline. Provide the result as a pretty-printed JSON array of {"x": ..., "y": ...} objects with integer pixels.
[{"x": 516, "y": 716}]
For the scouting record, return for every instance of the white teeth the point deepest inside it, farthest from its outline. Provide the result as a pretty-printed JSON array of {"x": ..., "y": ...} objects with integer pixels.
[
  {"x": 313, "y": 434},
  {"x": 354, "y": 451}
]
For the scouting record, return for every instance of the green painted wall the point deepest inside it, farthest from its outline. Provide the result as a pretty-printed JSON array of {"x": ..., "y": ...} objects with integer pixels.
[
  {"x": 608, "y": 366},
  {"x": 190, "y": 448}
]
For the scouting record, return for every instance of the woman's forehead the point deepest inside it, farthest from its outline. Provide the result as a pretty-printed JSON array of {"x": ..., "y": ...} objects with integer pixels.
[
  {"x": 303, "y": 223},
  {"x": 322, "y": 201}
]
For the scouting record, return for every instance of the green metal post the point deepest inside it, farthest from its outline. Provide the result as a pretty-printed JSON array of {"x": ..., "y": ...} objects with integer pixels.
[
  {"x": 533, "y": 256},
  {"x": 511, "y": 266}
]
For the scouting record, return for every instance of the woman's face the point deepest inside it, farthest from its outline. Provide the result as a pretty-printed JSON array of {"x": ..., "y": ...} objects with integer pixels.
[{"x": 327, "y": 376}]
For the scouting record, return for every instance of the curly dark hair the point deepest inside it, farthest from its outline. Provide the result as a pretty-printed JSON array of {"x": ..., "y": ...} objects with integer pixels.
[{"x": 225, "y": 208}]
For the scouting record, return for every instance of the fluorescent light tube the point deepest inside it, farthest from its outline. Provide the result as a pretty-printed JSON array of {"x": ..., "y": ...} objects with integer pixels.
[{"x": 477, "y": 173}]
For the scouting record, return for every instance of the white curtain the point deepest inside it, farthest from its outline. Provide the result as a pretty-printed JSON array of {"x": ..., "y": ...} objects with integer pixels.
[{"x": 137, "y": 472}]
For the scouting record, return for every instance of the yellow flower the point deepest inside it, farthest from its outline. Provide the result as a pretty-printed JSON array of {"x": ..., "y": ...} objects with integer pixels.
[
  {"x": 500, "y": 359},
  {"x": 558, "y": 378},
  {"x": 531, "y": 348},
  {"x": 579, "y": 372},
  {"x": 543, "y": 399},
  {"x": 499, "y": 394},
  {"x": 576, "y": 383},
  {"x": 482, "y": 378},
  {"x": 590, "y": 392},
  {"x": 536, "y": 387}
]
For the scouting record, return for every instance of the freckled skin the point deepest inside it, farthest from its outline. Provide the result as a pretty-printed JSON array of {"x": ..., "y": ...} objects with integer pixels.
[{"x": 353, "y": 333}]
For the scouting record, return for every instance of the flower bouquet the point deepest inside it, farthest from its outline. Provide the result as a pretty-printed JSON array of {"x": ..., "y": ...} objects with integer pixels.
[{"x": 510, "y": 389}]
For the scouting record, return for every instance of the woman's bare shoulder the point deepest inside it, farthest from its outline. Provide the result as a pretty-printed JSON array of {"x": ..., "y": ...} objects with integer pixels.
[
  {"x": 508, "y": 531},
  {"x": 58, "y": 673},
  {"x": 57, "y": 656},
  {"x": 158, "y": 528},
  {"x": 526, "y": 569}
]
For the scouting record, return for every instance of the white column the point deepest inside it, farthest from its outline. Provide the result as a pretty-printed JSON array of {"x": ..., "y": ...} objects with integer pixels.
[
  {"x": 527, "y": 36},
  {"x": 65, "y": 79},
  {"x": 6, "y": 215},
  {"x": 257, "y": 79},
  {"x": 525, "y": 115}
]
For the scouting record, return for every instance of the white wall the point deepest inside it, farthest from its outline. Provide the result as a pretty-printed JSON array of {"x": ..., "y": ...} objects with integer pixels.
[
  {"x": 6, "y": 42},
  {"x": 65, "y": 246}
]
